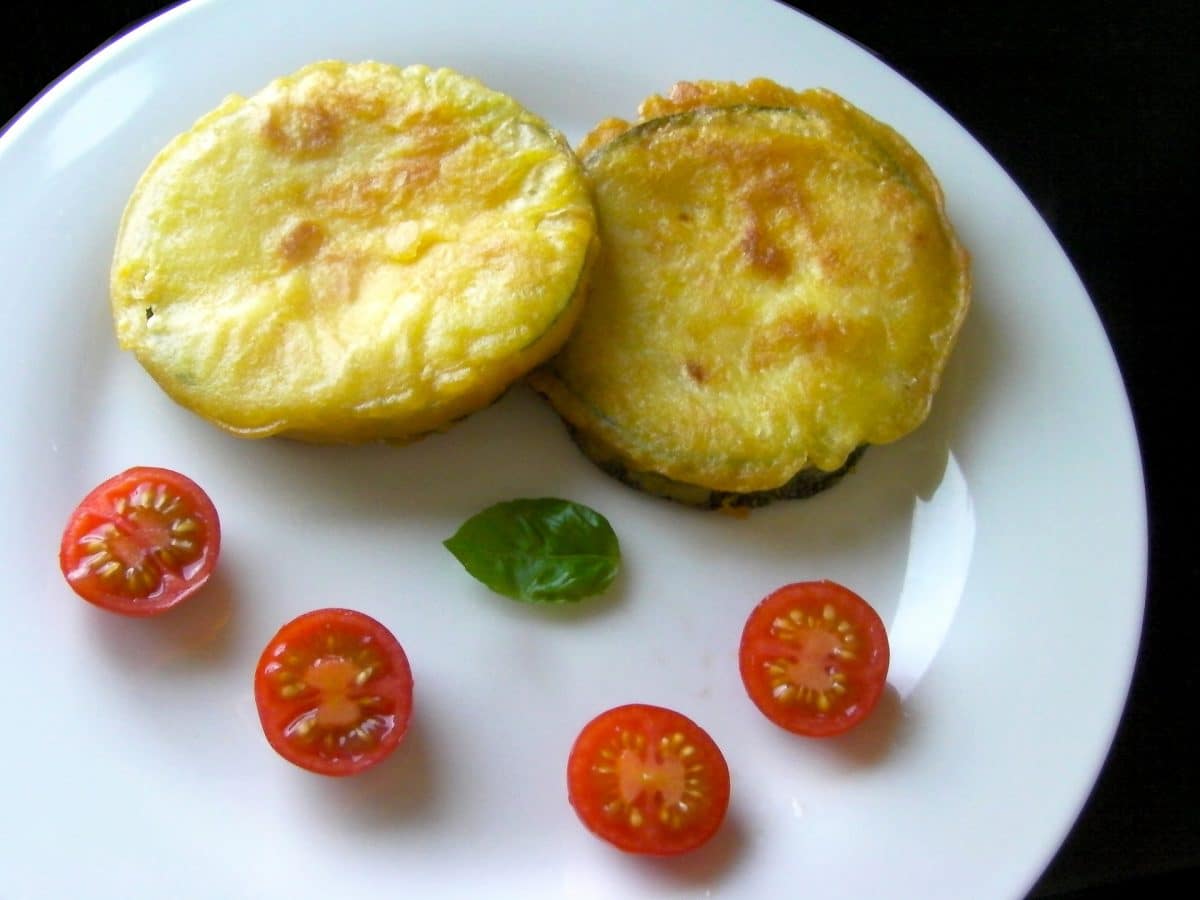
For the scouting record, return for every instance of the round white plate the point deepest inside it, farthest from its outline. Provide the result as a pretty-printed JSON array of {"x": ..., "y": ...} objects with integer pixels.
[{"x": 1004, "y": 543}]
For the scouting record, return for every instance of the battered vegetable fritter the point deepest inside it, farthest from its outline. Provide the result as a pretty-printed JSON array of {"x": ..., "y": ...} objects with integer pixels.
[
  {"x": 778, "y": 287},
  {"x": 355, "y": 252}
]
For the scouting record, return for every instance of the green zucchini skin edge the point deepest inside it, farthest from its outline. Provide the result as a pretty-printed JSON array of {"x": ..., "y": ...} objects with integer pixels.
[{"x": 803, "y": 484}]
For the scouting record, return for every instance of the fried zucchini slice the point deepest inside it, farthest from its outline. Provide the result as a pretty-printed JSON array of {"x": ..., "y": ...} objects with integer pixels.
[
  {"x": 778, "y": 287},
  {"x": 356, "y": 252}
]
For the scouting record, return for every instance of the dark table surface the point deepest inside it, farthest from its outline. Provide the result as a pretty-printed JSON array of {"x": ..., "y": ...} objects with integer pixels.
[{"x": 1092, "y": 110}]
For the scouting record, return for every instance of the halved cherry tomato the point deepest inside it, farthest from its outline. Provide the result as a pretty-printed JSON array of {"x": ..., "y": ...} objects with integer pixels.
[
  {"x": 141, "y": 542},
  {"x": 334, "y": 691},
  {"x": 814, "y": 658},
  {"x": 648, "y": 780}
]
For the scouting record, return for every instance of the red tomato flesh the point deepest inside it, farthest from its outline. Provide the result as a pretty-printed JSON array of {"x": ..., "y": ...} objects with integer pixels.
[
  {"x": 141, "y": 542},
  {"x": 814, "y": 658},
  {"x": 334, "y": 692},
  {"x": 648, "y": 780}
]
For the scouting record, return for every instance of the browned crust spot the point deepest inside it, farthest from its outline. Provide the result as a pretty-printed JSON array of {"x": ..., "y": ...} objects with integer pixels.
[
  {"x": 763, "y": 254},
  {"x": 301, "y": 242},
  {"x": 303, "y": 129},
  {"x": 696, "y": 371}
]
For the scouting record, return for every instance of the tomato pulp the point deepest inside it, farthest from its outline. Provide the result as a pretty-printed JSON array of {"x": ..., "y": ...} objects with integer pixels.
[
  {"x": 141, "y": 542},
  {"x": 648, "y": 780},
  {"x": 814, "y": 658},
  {"x": 334, "y": 692}
]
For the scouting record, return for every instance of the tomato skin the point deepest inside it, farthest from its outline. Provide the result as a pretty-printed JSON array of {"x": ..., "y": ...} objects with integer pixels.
[
  {"x": 141, "y": 542},
  {"x": 648, "y": 780},
  {"x": 813, "y": 640},
  {"x": 334, "y": 692}
]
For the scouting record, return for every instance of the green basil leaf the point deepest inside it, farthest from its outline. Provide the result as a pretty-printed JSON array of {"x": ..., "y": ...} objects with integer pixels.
[{"x": 541, "y": 550}]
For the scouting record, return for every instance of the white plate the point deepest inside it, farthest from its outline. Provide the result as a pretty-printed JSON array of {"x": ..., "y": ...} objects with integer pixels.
[{"x": 1003, "y": 543}]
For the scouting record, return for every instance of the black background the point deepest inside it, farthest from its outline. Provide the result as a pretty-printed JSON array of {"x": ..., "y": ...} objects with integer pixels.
[{"x": 1091, "y": 109}]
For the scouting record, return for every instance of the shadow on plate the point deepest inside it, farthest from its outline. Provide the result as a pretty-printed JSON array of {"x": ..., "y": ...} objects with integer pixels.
[
  {"x": 704, "y": 867},
  {"x": 867, "y": 746},
  {"x": 401, "y": 790},
  {"x": 512, "y": 448},
  {"x": 196, "y": 635},
  {"x": 874, "y": 740}
]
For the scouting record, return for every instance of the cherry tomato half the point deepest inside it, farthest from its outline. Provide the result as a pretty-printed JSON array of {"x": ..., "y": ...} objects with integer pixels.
[
  {"x": 648, "y": 780},
  {"x": 334, "y": 692},
  {"x": 141, "y": 542},
  {"x": 814, "y": 658}
]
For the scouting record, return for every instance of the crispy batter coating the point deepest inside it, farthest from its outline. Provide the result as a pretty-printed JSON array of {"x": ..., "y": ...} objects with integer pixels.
[
  {"x": 358, "y": 251},
  {"x": 778, "y": 286}
]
